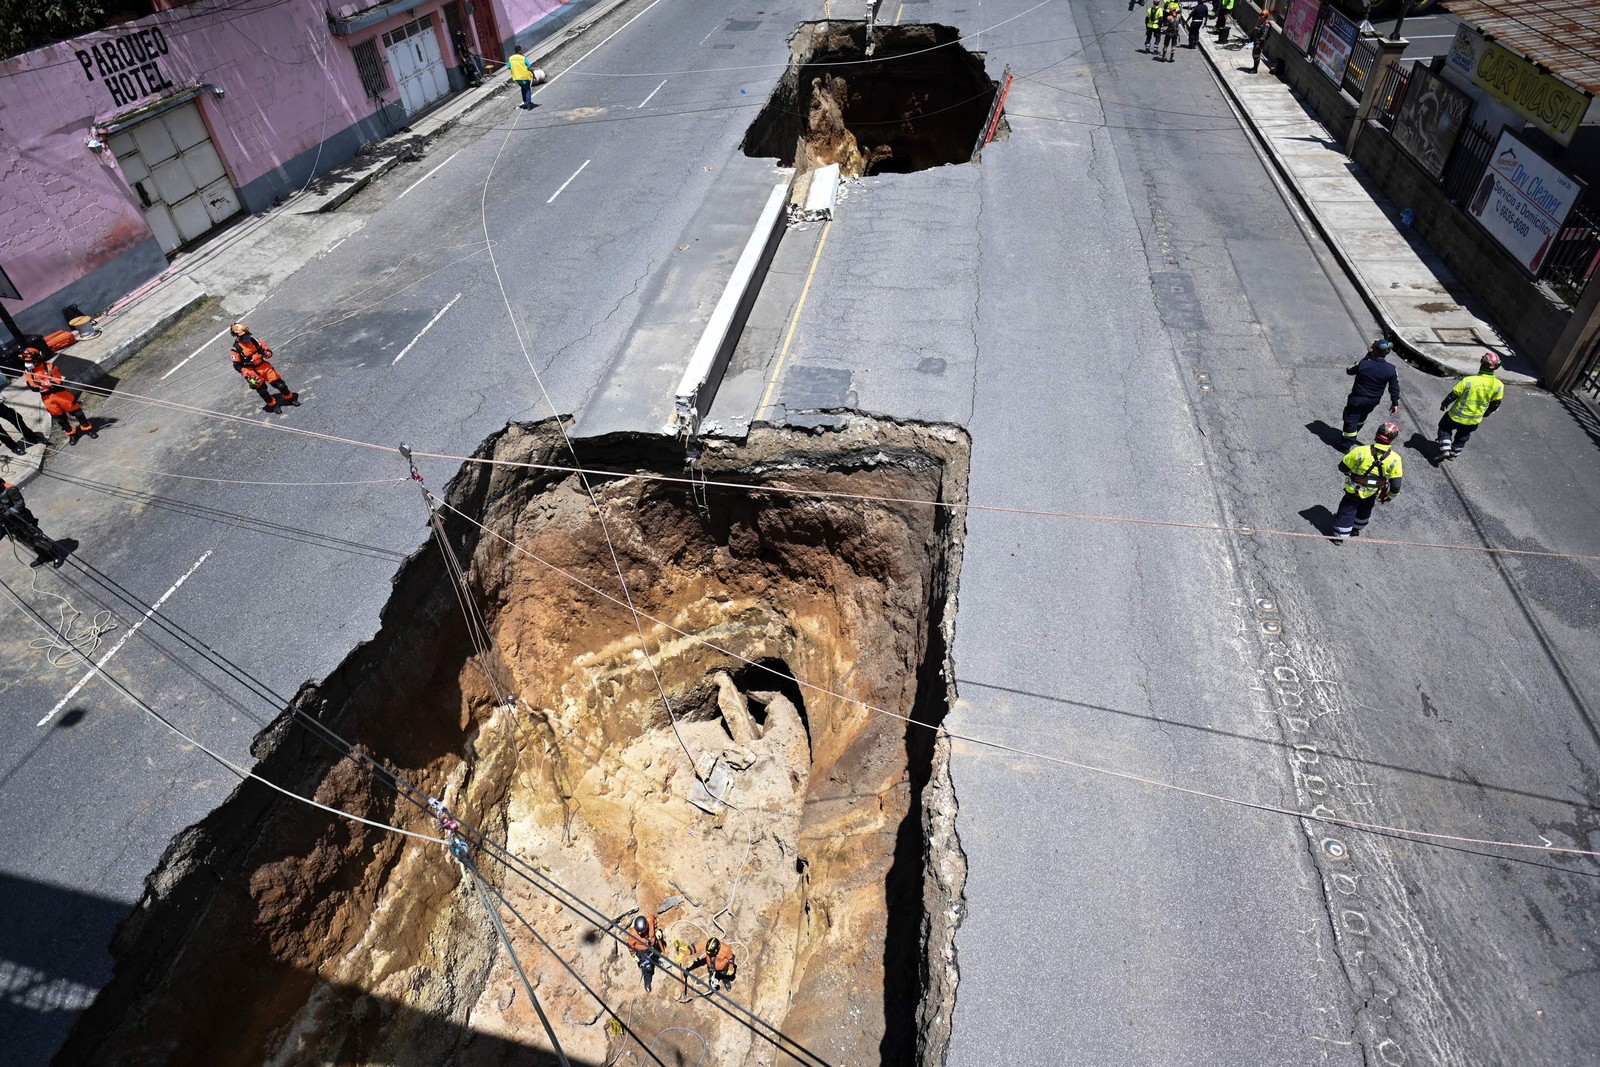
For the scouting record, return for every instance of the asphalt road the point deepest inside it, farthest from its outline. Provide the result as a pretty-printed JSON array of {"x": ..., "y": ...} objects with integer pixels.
[
  {"x": 1062, "y": 301},
  {"x": 285, "y": 558}
]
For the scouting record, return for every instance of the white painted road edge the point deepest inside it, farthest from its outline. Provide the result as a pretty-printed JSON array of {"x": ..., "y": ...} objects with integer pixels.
[
  {"x": 211, "y": 341},
  {"x": 568, "y": 182},
  {"x": 426, "y": 328},
  {"x": 103, "y": 660},
  {"x": 703, "y": 363},
  {"x": 428, "y": 175},
  {"x": 652, "y": 95}
]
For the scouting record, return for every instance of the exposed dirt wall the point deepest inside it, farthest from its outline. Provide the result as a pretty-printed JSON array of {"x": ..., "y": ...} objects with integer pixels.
[{"x": 274, "y": 934}]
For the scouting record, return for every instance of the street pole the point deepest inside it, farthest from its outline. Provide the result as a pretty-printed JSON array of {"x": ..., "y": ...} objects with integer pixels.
[{"x": 1405, "y": 9}]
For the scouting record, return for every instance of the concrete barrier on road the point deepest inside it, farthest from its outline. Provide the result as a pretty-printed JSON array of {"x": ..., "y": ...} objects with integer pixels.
[{"x": 717, "y": 342}]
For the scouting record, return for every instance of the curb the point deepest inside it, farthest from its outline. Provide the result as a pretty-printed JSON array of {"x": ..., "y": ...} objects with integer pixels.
[
  {"x": 127, "y": 348},
  {"x": 1346, "y": 263}
]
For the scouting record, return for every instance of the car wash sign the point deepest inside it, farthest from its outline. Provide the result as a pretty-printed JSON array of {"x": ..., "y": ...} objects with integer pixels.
[
  {"x": 1523, "y": 201},
  {"x": 1541, "y": 98},
  {"x": 128, "y": 66}
]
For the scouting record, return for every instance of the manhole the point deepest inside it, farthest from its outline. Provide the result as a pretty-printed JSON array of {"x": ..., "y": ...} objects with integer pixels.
[{"x": 921, "y": 100}]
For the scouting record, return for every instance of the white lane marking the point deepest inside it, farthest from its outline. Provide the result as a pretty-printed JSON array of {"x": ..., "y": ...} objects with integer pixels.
[
  {"x": 103, "y": 660},
  {"x": 214, "y": 338},
  {"x": 428, "y": 175},
  {"x": 568, "y": 182},
  {"x": 652, "y": 95},
  {"x": 426, "y": 328},
  {"x": 326, "y": 252},
  {"x": 599, "y": 46}
]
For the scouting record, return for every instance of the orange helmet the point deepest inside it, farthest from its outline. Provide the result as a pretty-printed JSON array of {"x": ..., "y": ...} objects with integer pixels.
[{"x": 239, "y": 329}]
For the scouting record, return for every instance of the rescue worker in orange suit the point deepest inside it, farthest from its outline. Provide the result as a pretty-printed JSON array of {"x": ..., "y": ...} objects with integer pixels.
[
  {"x": 252, "y": 359},
  {"x": 45, "y": 378},
  {"x": 719, "y": 961},
  {"x": 646, "y": 944}
]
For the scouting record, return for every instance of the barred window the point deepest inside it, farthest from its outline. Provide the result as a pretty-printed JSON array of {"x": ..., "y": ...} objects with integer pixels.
[{"x": 370, "y": 64}]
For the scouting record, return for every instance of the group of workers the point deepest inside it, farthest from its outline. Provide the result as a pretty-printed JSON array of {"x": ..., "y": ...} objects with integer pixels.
[
  {"x": 1372, "y": 473},
  {"x": 1164, "y": 18},
  {"x": 647, "y": 944},
  {"x": 251, "y": 358}
]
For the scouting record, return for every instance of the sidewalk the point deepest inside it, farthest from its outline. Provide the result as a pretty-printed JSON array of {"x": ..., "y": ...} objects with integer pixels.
[
  {"x": 1411, "y": 292},
  {"x": 241, "y": 263}
]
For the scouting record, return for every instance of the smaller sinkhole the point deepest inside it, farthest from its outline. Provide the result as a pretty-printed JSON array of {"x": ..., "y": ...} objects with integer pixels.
[{"x": 921, "y": 100}]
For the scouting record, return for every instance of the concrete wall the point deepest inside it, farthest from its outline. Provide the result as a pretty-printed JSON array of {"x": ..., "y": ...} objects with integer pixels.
[
  {"x": 1530, "y": 316},
  {"x": 70, "y": 227}
]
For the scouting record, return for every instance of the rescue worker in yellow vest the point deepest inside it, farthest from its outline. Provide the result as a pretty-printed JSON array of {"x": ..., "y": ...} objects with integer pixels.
[
  {"x": 1474, "y": 399},
  {"x": 522, "y": 74},
  {"x": 1153, "y": 20},
  {"x": 1224, "y": 15},
  {"x": 1371, "y": 475}
]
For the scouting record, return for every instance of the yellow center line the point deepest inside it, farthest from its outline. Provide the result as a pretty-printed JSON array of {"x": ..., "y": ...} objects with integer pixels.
[
  {"x": 901, "y": 10},
  {"x": 794, "y": 321}
]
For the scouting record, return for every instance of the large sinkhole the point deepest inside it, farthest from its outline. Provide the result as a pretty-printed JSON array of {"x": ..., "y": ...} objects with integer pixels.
[
  {"x": 920, "y": 100},
  {"x": 273, "y": 933}
]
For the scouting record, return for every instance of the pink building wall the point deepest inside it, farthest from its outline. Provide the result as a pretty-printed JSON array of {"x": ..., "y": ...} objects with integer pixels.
[{"x": 288, "y": 86}]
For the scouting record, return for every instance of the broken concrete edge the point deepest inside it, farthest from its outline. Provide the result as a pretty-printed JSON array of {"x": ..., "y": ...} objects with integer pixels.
[
  {"x": 370, "y": 175},
  {"x": 709, "y": 360},
  {"x": 1431, "y": 362}
]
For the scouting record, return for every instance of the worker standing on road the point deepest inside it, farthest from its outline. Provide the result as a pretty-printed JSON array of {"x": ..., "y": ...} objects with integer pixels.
[
  {"x": 46, "y": 379},
  {"x": 1474, "y": 399},
  {"x": 1153, "y": 17},
  {"x": 1171, "y": 21},
  {"x": 29, "y": 434},
  {"x": 522, "y": 74},
  {"x": 252, "y": 359},
  {"x": 1371, "y": 475},
  {"x": 1374, "y": 374},
  {"x": 646, "y": 944},
  {"x": 1197, "y": 22},
  {"x": 17, "y": 521}
]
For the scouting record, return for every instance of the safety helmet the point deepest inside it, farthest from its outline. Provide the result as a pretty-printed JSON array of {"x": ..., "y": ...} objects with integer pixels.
[
  {"x": 1490, "y": 363},
  {"x": 712, "y": 944},
  {"x": 641, "y": 925},
  {"x": 1386, "y": 434},
  {"x": 31, "y": 355},
  {"x": 1383, "y": 344},
  {"x": 238, "y": 329}
]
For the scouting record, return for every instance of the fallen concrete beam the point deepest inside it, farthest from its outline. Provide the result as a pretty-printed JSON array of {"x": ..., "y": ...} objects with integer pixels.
[{"x": 715, "y": 347}]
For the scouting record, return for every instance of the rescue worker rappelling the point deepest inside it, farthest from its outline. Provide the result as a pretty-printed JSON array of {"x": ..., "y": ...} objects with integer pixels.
[
  {"x": 646, "y": 944},
  {"x": 45, "y": 378},
  {"x": 252, "y": 359},
  {"x": 1371, "y": 475},
  {"x": 1374, "y": 374},
  {"x": 1473, "y": 399},
  {"x": 719, "y": 962}
]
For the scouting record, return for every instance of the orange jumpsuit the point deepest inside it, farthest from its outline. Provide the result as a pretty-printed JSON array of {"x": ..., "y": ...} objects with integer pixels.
[
  {"x": 645, "y": 947},
  {"x": 46, "y": 379},
  {"x": 251, "y": 359}
]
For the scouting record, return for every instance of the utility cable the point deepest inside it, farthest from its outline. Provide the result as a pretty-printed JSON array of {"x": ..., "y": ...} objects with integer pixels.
[
  {"x": 594, "y": 501},
  {"x": 500, "y": 929},
  {"x": 576, "y": 977},
  {"x": 242, "y": 772},
  {"x": 1332, "y": 820},
  {"x": 1239, "y": 530}
]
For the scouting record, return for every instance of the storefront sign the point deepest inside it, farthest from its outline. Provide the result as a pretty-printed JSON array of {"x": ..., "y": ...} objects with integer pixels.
[
  {"x": 1543, "y": 99},
  {"x": 1301, "y": 23},
  {"x": 129, "y": 66},
  {"x": 1335, "y": 41},
  {"x": 1523, "y": 201}
]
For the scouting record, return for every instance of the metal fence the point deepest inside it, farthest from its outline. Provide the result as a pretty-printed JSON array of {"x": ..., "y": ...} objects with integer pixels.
[
  {"x": 1464, "y": 169},
  {"x": 1574, "y": 254},
  {"x": 1363, "y": 57},
  {"x": 1391, "y": 94}
]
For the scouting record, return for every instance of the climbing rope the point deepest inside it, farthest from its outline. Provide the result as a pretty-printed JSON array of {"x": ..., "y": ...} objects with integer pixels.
[{"x": 72, "y": 638}]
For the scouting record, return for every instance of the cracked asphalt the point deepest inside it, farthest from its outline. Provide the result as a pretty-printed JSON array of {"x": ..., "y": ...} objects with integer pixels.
[{"x": 1123, "y": 312}]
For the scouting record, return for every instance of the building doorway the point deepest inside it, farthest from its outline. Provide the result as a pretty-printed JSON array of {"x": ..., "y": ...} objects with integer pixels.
[
  {"x": 173, "y": 168},
  {"x": 416, "y": 63}
]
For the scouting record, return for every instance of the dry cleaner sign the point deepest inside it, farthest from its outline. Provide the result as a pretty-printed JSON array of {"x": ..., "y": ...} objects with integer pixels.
[
  {"x": 1543, "y": 99},
  {"x": 1523, "y": 201}
]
